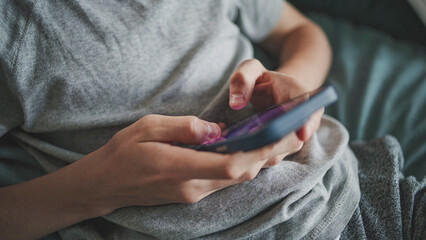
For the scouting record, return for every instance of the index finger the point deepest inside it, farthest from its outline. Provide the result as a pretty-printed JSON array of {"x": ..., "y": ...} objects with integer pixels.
[
  {"x": 242, "y": 82},
  {"x": 192, "y": 164},
  {"x": 310, "y": 127}
]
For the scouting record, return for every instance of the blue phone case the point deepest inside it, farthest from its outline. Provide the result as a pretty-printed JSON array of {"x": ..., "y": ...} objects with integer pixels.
[{"x": 278, "y": 127}]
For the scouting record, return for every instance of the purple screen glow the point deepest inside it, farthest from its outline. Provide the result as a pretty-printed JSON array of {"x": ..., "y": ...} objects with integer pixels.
[{"x": 257, "y": 121}]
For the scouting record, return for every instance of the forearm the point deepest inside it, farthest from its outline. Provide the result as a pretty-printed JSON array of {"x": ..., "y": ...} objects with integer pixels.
[
  {"x": 301, "y": 47},
  {"x": 38, "y": 207},
  {"x": 306, "y": 54}
]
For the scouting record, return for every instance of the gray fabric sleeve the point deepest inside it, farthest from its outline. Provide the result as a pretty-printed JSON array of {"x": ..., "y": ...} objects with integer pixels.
[
  {"x": 10, "y": 109},
  {"x": 257, "y": 18},
  {"x": 13, "y": 22}
]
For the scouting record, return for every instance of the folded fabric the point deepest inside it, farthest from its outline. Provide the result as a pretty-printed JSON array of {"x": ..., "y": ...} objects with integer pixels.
[{"x": 313, "y": 195}]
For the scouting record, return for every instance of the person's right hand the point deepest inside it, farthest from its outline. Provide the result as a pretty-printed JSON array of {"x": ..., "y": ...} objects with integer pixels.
[{"x": 139, "y": 166}]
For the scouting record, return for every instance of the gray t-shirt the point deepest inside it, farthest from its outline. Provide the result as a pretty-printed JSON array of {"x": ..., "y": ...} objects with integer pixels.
[{"x": 73, "y": 73}]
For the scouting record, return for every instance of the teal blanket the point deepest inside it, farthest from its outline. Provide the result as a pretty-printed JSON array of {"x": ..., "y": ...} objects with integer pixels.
[{"x": 382, "y": 87}]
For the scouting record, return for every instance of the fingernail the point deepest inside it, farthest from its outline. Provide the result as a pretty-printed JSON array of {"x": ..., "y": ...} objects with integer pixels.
[
  {"x": 212, "y": 131},
  {"x": 236, "y": 99}
]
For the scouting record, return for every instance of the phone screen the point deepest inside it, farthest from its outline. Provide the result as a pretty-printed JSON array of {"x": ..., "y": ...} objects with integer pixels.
[{"x": 257, "y": 121}]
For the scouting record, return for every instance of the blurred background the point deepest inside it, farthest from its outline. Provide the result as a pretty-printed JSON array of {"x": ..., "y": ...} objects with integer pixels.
[{"x": 379, "y": 69}]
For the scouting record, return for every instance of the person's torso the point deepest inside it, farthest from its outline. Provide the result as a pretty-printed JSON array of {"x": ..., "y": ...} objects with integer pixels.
[{"x": 85, "y": 69}]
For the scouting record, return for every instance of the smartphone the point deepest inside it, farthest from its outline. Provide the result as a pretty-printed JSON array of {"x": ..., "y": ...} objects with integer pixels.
[{"x": 272, "y": 124}]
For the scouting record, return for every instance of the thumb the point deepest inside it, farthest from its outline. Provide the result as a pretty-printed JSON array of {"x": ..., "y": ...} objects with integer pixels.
[
  {"x": 242, "y": 82},
  {"x": 185, "y": 129}
]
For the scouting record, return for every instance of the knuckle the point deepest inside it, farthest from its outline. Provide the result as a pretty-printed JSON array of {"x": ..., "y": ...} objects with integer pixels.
[
  {"x": 118, "y": 140},
  {"x": 275, "y": 161},
  {"x": 231, "y": 171},
  {"x": 187, "y": 196},
  {"x": 147, "y": 119},
  {"x": 296, "y": 148},
  {"x": 238, "y": 79},
  {"x": 297, "y": 145},
  {"x": 248, "y": 176},
  {"x": 188, "y": 199},
  {"x": 191, "y": 125},
  {"x": 145, "y": 124},
  {"x": 291, "y": 78},
  {"x": 266, "y": 76},
  {"x": 253, "y": 61}
]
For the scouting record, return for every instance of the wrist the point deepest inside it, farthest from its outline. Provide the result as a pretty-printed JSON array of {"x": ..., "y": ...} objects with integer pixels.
[
  {"x": 51, "y": 202},
  {"x": 93, "y": 184}
]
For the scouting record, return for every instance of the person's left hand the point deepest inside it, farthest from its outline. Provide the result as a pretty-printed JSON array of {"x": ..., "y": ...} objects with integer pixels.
[{"x": 252, "y": 82}]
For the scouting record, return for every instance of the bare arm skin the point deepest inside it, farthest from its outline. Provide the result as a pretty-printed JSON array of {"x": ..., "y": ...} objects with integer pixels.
[{"x": 302, "y": 48}]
